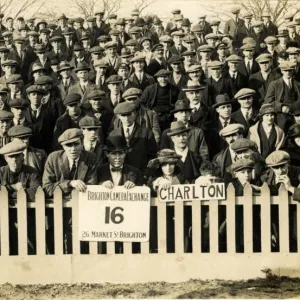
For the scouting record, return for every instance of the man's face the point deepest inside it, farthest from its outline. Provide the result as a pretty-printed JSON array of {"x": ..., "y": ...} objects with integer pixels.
[
  {"x": 257, "y": 29},
  {"x": 189, "y": 59},
  {"x": 96, "y": 104},
  {"x": 224, "y": 111},
  {"x": 114, "y": 88},
  {"x": 146, "y": 44},
  {"x": 62, "y": 23},
  {"x": 139, "y": 66},
  {"x": 287, "y": 74},
  {"x": 266, "y": 19},
  {"x": 24, "y": 140},
  {"x": 216, "y": 73},
  {"x": 73, "y": 150},
  {"x": 24, "y": 33},
  {"x": 283, "y": 39},
  {"x": 116, "y": 159},
  {"x": 86, "y": 43},
  {"x": 96, "y": 56},
  {"x": 100, "y": 71},
  {"x": 120, "y": 27},
  {"x": 90, "y": 134},
  {"x": 232, "y": 138},
  {"x": 176, "y": 67},
  {"x": 297, "y": 119},
  {"x": 127, "y": 119},
  {"x": 99, "y": 17},
  {"x": 178, "y": 24},
  {"x": 83, "y": 74},
  {"x": 56, "y": 45},
  {"x": 3, "y": 97},
  {"x": 249, "y": 53},
  {"x": 297, "y": 140},
  {"x": 232, "y": 66},
  {"x": 244, "y": 176},
  {"x": 65, "y": 74},
  {"x": 180, "y": 140},
  {"x": 163, "y": 80},
  {"x": 41, "y": 55},
  {"x": 15, "y": 162},
  {"x": 183, "y": 116},
  {"x": 166, "y": 45},
  {"x": 247, "y": 153},
  {"x": 111, "y": 52},
  {"x": 205, "y": 55},
  {"x": 265, "y": 66},
  {"x": 32, "y": 39},
  {"x": 186, "y": 29},
  {"x": 293, "y": 57},
  {"x": 3, "y": 55},
  {"x": 18, "y": 112},
  {"x": 38, "y": 74},
  {"x": 15, "y": 87},
  {"x": 79, "y": 54},
  {"x": 211, "y": 42},
  {"x": 8, "y": 40},
  {"x": 291, "y": 30},
  {"x": 177, "y": 40},
  {"x": 195, "y": 76},
  {"x": 10, "y": 70},
  {"x": 246, "y": 102},
  {"x": 168, "y": 169},
  {"x": 9, "y": 23},
  {"x": 194, "y": 97},
  {"x": 5, "y": 125},
  {"x": 270, "y": 47},
  {"x": 44, "y": 37},
  {"x": 35, "y": 99},
  {"x": 91, "y": 24},
  {"x": 222, "y": 52},
  {"x": 73, "y": 109},
  {"x": 159, "y": 53},
  {"x": 124, "y": 73},
  {"x": 281, "y": 170}
]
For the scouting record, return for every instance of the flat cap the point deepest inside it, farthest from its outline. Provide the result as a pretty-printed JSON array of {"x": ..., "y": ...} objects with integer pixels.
[
  {"x": 264, "y": 57},
  {"x": 96, "y": 50},
  {"x": 132, "y": 93},
  {"x": 51, "y": 26},
  {"x": 13, "y": 148},
  {"x": 9, "y": 62},
  {"x": 175, "y": 59},
  {"x": 45, "y": 30},
  {"x": 248, "y": 47},
  {"x": 176, "y": 11},
  {"x": 197, "y": 28},
  {"x": 222, "y": 45},
  {"x": 56, "y": 38},
  {"x": 162, "y": 73},
  {"x": 39, "y": 48},
  {"x": 115, "y": 32},
  {"x": 181, "y": 105},
  {"x": 257, "y": 23},
  {"x": 178, "y": 17},
  {"x": 189, "y": 39},
  {"x": 231, "y": 129},
  {"x": 270, "y": 40},
  {"x": 19, "y": 131},
  {"x": 72, "y": 98},
  {"x": 286, "y": 66},
  {"x": 20, "y": 40},
  {"x": 215, "y": 64},
  {"x": 32, "y": 33},
  {"x": 37, "y": 67},
  {"x": 188, "y": 53},
  {"x": 44, "y": 80},
  {"x": 294, "y": 130},
  {"x": 96, "y": 95},
  {"x": 15, "y": 78},
  {"x": 266, "y": 14},
  {"x": 248, "y": 15},
  {"x": 89, "y": 122},
  {"x": 233, "y": 58},
  {"x": 4, "y": 49},
  {"x": 67, "y": 31},
  {"x": 194, "y": 68},
  {"x": 242, "y": 144},
  {"x": 293, "y": 50},
  {"x": 112, "y": 16},
  {"x": 121, "y": 21},
  {"x": 125, "y": 108},
  {"x": 140, "y": 22},
  {"x": 177, "y": 33},
  {"x": 291, "y": 24},
  {"x": 7, "y": 33},
  {"x": 267, "y": 108},
  {"x": 6, "y": 115},
  {"x": 110, "y": 44},
  {"x": 165, "y": 38},
  {"x": 134, "y": 30},
  {"x": 215, "y": 22},
  {"x": 235, "y": 10},
  {"x": 248, "y": 40},
  {"x": 138, "y": 57},
  {"x": 90, "y": 19},
  {"x": 78, "y": 20},
  {"x": 18, "y": 103},
  {"x": 242, "y": 164},
  {"x": 277, "y": 158},
  {"x": 157, "y": 47},
  {"x": 3, "y": 89},
  {"x": 282, "y": 32},
  {"x": 211, "y": 36},
  {"x": 131, "y": 42},
  {"x": 243, "y": 93},
  {"x": 114, "y": 79},
  {"x": 125, "y": 53},
  {"x": 70, "y": 136},
  {"x": 101, "y": 64},
  {"x": 103, "y": 39},
  {"x": 35, "y": 89},
  {"x": 123, "y": 66},
  {"x": 205, "y": 48}
]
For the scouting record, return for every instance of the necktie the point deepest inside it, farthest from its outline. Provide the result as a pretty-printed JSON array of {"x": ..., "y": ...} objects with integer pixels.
[
  {"x": 73, "y": 171},
  {"x": 290, "y": 84},
  {"x": 19, "y": 122},
  {"x": 34, "y": 114},
  {"x": 225, "y": 123},
  {"x": 116, "y": 169},
  {"x": 233, "y": 76},
  {"x": 248, "y": 67},
  {"x": 66, "y": 84},
  {"x": 83, "y": 88},
  {"x": 127, "y": 133},
  {"x": 247, "y": 116}
]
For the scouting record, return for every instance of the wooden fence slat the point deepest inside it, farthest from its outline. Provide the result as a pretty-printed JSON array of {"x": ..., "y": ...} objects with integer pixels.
[
  {"x": 230, "y": 219},
  {"x": 248, "y": 219},
  {"x": 58, "y": 222},
  {"x": 40, "y": 222},
  {"x": 110, "y": 247},
  {"x": 179, "y": 222},
  {"x": 283, "y": 220},
  {"x": 22, "y": 222},
  {"x": 93, "y": 248},
  {"x": 145, "y": 248},
  {"x": 162, "y": 226},
  {"x": 127, "y": 248},
  {"x": 213, "y": 226},
  {"x": 75, "y": 226},
  {"x": 265, "y": 214},
  {"x": 196, "y": 226},
  {"x": 4, "y": 221}
]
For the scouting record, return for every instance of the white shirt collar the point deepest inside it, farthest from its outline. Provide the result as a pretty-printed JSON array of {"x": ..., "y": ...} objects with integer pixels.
[
  {"x": 71, "y": 162},
  {"x": 197, "y": 106},
  {"x": 183, "y": 153},
  {"x": 130, "y": 129}
]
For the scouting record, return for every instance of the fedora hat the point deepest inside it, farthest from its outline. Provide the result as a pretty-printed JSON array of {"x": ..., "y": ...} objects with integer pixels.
[
  {"x": 177, "y": 127},
  {"x": 222, "y": 100},
  {"x": 181, "y": 105}
]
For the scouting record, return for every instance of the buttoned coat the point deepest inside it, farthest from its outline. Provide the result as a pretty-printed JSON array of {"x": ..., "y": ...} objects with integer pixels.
[{"x": 76, "y": 88}]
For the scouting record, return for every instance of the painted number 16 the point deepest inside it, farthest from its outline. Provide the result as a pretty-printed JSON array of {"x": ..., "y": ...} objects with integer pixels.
[{"x": 113, "y": 215}]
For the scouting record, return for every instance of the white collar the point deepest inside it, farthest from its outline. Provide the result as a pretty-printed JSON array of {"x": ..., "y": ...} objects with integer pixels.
[
  {"x": 197, "y": 106},
  {"x": 130, "y": 128},
  {"x": 71, "y": 162},
  {"x": 183, "y": 153}
]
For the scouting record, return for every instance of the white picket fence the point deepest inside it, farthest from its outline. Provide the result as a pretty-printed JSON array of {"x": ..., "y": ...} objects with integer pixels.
[{"x": 145, "y": 266}]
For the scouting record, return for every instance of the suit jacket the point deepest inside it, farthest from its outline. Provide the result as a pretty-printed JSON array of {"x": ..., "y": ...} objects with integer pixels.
[
  {"x": 134, "y": 82},
  {"x": 255, "y": 137},
  {"x": 174, "y": 50},
  {"x": 129, "y": 173},
  {"x": 196, "y": 142},
  {"x": 42, "y": 128},
  {"x": 239, "y": 118},
  {"x": 182, "y": 81},
  {"x": 243, "y": 69},
  {"x": 272, "y": 29},
  {"x": 191, "y": 166},
  {"x": 29, "y": 178},
  {"x": 241, "y": 81},
  {"x": 99, "y": 154},
  {"x": 95, "y": 32},
  {"x": 76, "y": 88},
  {"x": 63, "y": 92},
  {"x": 275, "y": 92},
  {"x": 154, "y": 66},
  {"x": 223, "y": 160},
  {"x": 206, "y": 27},
  {"x": 201, "y": 116},
  {"x": 232, "y": 28},
  {"x": 47, "y": 66},
  {"x": 141, "y": 146},
  {"x": 225, "y": 88},
  {"x": 36, "y": 158},
  {"x": 113, "y": 66},
  {"x": 57, "y": 172},
  {"x": 257, "y": 83}
]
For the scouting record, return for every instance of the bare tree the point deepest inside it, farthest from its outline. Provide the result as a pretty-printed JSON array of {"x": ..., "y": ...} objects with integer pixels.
[{"x": 142, "y": 4}]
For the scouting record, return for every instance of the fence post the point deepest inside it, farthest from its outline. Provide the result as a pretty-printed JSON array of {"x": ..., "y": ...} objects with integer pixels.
[
  {"x": 283, "y": 220},
  {"x": 58, "y": 221},
  {"x": 213, "y": 226},
  {"x": 196, "y": 226},
  {"x": 179, "y": 224},
  {"x": 75, "y": 227},
  {"x": 4, "y": 212},
  {"x": 40, "y": 222},
  {"x": 230, "y": 219},
  {"x": 22, "y": 222},
  {"x": 248, "y": 219},
  {"x": 162, "y": 226},
  {"x": 265, "y": 213}
]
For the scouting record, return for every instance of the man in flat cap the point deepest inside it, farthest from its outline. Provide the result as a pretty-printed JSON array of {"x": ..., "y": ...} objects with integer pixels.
[
  {"x": 233, "y": 25},
  {"x": 33, "y": 157},
  {"x": 171, "y": 23},
  {"x": 100, "y": 23},
  {"x": 5, "y": 124},
  {"x": 15, "y": 85},
  {"x": 258, "y": 35},
  {"x": 140, "y": 140},
  {"x": 270, "y": 28},
  {"x": 178, "y": 78},
  {"x": 114, "y": 95},
  {"x": 18, "y": 108},
  {"x": 79, "y": 56},
  {"x": 271, "y": 42},
  {"x": 177, "y": 48},
  {"x": 161, "y": 97},
  {"x": 247, "y": 114},
  {"x": 111, "y": 57},
  {"x": 143, "y": 116},
  {"x": 41, "y": 119},
  {"x": 66, "y": 79},
  {"x": 158, "y": 61},
  {"x": 10, "y": 68}
]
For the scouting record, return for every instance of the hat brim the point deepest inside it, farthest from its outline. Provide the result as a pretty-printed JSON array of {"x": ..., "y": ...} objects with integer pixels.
[
  {"x": 243, "y": 168},
  {"x": 178, "y": 131},
  {"x": 114, "y": 82},
  {"x": 108, "y": 149},
  {"x": 180, "y": 109},
  {"x": 216, "y": 105},
  {"x": 22, "y": 135},
  {"x": 278, "y": 164},
  {"x": 82, "y": 69},
  {"x": 91, "y": 126},
  {"x": 244, "y": 97},
  {"x": 191, "y": 89},
  {"x": 70, "y": 141},
  {"x": 13, "y": 153},
  {"x": 64, "y": 69}
]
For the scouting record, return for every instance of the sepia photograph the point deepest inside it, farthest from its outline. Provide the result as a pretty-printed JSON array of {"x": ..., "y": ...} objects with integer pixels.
[{"x": 149, "y": 149}]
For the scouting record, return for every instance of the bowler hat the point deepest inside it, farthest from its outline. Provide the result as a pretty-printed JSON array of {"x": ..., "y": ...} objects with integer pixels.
[
  {"x": 181, "y": 105},
  {"x": 115, "y": 143},
  {"x": 19, "y": 131},
  {"x": 13, "y": 148},
  {"x": 177, "y": 127},
  {"x": 72, "y": 98},
  {"x": 70, "y": 136},
  {"x": 277, "y": 158},
  {"x": 186, "y": 22},
  {"x": 89, "y": 122},
  {"x": 222, "y": 100}
]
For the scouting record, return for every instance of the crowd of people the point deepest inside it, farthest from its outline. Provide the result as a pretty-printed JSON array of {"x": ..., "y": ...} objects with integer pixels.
[{"x": 128, "y": 101}]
